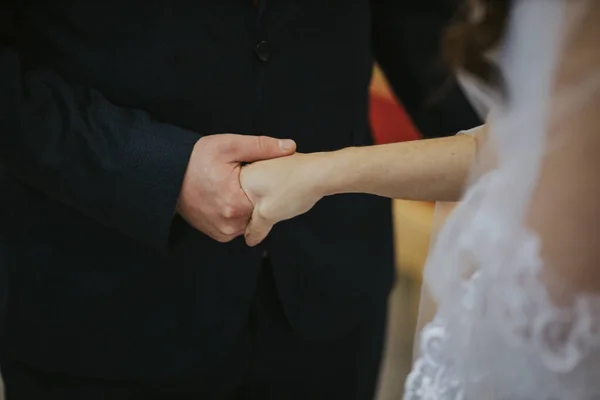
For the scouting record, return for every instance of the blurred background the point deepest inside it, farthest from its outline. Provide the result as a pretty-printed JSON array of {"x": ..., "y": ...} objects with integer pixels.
[{"x": 412, "y": 226}]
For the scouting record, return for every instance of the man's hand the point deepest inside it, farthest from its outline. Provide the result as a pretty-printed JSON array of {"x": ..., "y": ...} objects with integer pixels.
[{"x": 211, "y": 199}]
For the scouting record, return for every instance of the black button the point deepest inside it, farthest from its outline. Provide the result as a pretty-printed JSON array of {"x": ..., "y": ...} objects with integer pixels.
[{"x": 263, "y": 51}]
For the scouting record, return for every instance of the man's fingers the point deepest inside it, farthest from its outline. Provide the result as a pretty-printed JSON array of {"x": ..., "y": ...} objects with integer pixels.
[
  {"x": 257, "y": 148},
  {"x": 257, "y": 230}
]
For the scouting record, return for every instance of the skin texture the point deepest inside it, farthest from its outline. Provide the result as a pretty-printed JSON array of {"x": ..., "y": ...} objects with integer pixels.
[
  {"x": 211, "y": 199},
  {"x": 428, "y": 170}
]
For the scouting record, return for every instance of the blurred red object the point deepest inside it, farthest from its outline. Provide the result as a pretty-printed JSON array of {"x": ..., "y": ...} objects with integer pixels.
[{"x": 389, "y": 121}]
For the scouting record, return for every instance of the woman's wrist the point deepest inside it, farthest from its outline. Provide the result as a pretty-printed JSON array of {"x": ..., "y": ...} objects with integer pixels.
[{"x": 331, "y": 172}]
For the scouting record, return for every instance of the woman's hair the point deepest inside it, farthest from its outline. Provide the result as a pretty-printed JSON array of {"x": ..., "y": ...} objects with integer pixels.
[{"x": 477, "y": 30}]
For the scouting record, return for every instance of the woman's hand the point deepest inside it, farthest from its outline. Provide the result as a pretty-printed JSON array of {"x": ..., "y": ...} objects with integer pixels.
[{"x": 280, "y": 189}]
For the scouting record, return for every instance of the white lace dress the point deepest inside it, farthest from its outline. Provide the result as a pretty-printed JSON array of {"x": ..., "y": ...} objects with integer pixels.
[{"x": 496, "y": 333}]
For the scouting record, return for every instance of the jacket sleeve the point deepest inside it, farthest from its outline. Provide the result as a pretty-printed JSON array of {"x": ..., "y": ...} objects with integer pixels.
[
  {"x": 406, "y": 43},
  {"x": 113, "y": 165}
]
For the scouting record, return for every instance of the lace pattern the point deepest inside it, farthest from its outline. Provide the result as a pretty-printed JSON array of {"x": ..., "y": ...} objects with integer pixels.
[
  {"x": 431, "y": 377},
  {"x": 493, "y": 307}
]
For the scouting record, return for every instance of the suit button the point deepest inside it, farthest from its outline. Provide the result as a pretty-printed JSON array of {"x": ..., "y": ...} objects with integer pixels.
[{"x": 263, "y": 51}]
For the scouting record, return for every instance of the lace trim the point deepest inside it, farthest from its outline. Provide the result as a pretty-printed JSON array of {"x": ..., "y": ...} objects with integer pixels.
[
  {"x": 431, "y": 377},
  {"x": 496, "y": 285}
]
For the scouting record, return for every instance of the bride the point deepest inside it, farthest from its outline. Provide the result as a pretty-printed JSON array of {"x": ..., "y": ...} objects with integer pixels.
[{"x": 514, "y": 273}]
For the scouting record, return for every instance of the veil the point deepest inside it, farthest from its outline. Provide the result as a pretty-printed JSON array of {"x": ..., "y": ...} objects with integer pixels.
[{"x": 510, "y": 306}]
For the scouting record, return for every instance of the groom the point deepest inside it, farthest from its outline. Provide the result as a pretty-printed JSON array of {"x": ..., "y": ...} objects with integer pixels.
[{"x": 123, "y": 125}]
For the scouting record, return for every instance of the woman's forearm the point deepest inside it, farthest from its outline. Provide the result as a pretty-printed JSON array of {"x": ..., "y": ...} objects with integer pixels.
[{"x": 424, "y": 170}]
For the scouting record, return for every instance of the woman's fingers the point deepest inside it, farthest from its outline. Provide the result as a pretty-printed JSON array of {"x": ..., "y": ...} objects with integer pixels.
[
  {"x": 258, "y": 185},
  {"x": 257, "y": 230}
]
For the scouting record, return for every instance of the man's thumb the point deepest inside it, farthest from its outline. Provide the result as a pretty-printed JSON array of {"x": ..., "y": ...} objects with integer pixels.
[{"x": 257, "y": 148}]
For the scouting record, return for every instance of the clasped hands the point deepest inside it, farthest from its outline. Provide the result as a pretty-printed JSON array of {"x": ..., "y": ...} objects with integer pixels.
[{"x": 238, "y": 184}]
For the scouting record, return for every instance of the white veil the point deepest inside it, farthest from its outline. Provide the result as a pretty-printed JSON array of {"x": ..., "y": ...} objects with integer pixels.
[{"x": 511, "y": 305}]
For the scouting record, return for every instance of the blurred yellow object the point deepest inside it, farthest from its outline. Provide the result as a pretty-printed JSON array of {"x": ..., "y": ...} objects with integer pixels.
[
  {"x": 379, "y": 84},
  {"x": 412, "y": 229},
  {"x": 413, "y": 225}
]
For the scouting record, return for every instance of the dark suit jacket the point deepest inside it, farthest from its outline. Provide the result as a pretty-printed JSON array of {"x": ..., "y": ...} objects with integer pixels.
[{"x": 100, "y": 105}]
